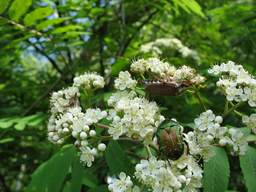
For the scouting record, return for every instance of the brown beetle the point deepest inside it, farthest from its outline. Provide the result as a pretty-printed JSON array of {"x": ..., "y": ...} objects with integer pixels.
[
  {"x": 171, "y": 144},
  {"x": 165, "y": 87}
]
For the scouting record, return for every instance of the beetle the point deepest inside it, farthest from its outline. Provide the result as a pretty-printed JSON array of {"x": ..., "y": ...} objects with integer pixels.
[
  {"x": 171, "y": 143},
  {"x": 165, "y": 87}
]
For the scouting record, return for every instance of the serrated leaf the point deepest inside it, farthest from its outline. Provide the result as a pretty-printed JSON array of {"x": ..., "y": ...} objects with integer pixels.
[
  {"x": 50, "y": 22},
  {"x": 19, "y": 8},
  {"x": 194, "y": 7},
  {"x": 3, "y": 5},
  {"x": 39, "y": 13},
  {"x": 216, "y": 172},
  {"x": 248, "y": 166},
  {"x": 190, "y": 6},
  {"x": 51, "y": 174},
  {"x": 116, "y": 159},
  {"x": 32, "y": 120}
]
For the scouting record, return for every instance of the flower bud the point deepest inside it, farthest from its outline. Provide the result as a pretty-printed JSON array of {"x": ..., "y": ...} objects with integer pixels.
[{"x": 101, "y": 147}]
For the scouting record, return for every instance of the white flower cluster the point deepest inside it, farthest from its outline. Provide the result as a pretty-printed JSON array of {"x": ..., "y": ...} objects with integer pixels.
[
  {"x": 89, "y": 81},
  {"x": 208, "y": 132},
  {"x": 64, "y": 99},
  {"x": 165, "y": 70},
  {"x": 154, "y": 47},
  {"x": 67, "y": 118},
  {"x": 133, "y": 116},
  {"x": 237, "y": 84},
  {"x": 169, "y": 176},
  {"x": 124, "y": 81},
  {"x": 121, "y": 184},
  {"x": 187, "y": 73},
  {"x": 153, "y": 66},
  {"x": 250, "y": 121}
]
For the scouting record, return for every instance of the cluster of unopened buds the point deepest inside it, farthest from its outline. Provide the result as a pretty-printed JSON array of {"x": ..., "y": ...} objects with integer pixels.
[{"x": 130, "y": 115}]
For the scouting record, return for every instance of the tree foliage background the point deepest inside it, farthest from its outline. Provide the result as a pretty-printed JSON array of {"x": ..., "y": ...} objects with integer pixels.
[{"x": 45, "y": 43}]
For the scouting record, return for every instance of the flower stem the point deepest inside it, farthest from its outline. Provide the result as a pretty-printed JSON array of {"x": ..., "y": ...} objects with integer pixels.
[
  {"x": 197, "y": 95},
  {"x": 233, "y": 108},
  {"x": 102, "y": 125},
  {"x": 149, "y": 151}
]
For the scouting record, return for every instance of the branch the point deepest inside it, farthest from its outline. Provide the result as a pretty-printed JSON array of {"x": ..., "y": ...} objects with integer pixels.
[
  {"x": 54, "y": 64},
  {"x": 46, "y": 93},
  {"x": 22, "y": 27},
  {"x": 126, "y": 44},
  {"x": 101, "y": 54}
]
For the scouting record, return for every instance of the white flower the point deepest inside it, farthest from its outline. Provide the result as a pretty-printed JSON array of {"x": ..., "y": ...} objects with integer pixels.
[
  {"x": 139, "y": 66},
  {"x": 61, "y": 125},
  {"x": 250, "y": 121},
  {"x": 124, "y": 81},
  {"x": 89, "y": 81},
  {"x": 159, "y": 69},
  {"x": 87, "y": 155},
  {"x": 162, "y": 175},
  {"x": 190, "y": 172},
  {"x": 94, "y": 115},
  {"x": 121, "y": 184},
  {"x": 209, "y": 132},
  {"x": 67, "y": 118},
  {"x": 206, "y": 120},
  {"x": 238, "y": 142},
  {"x": 61, "y": 100},
  {"x": 187, "y": 73},
  {"x": 156, "y": 47},
  {"x": 237, "y": 84},
  {"x": 152, "y": 66},
  {"x": 133, "y": 116}
]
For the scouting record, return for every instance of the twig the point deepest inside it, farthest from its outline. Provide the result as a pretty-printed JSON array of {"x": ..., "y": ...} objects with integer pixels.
[
  {"x": 126, "y": 44},
  {"x": 42, "y": 97},
  {"x": 52, "y": 61},
  {"x": 102, "y": 125}
]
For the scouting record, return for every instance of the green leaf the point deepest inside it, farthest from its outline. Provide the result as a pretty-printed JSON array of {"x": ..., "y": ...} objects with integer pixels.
[
  {"x": 32, "y": 120},
  {"x": 190, "y": 6},
  {"x": 89, "y": 179},
  {"x": 34, "y": 16},
  {"x": 251, "y": 138},
  {"x": 7, "y": 122},
  {"x": 216, "y": 172},
  {"x": 51, "y": 174},
  {"x": 248, "y": 166},
  {"x": 116, "y": 159},
  {"x": 102, "y": 188},
  {"x": 67, "y": 28},
  {"x": 3, "y": 5},
  {"x": 77, "y": 176},
  {"x": 50, "y": 22},
  {"x": 6, "y": 140},
  {"x": 119, "y": 66},
  {"x": 19, "y": 8}
]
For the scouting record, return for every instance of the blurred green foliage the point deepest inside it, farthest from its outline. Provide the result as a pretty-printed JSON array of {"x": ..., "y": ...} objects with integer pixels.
[{"x": 45, "y": 43}]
